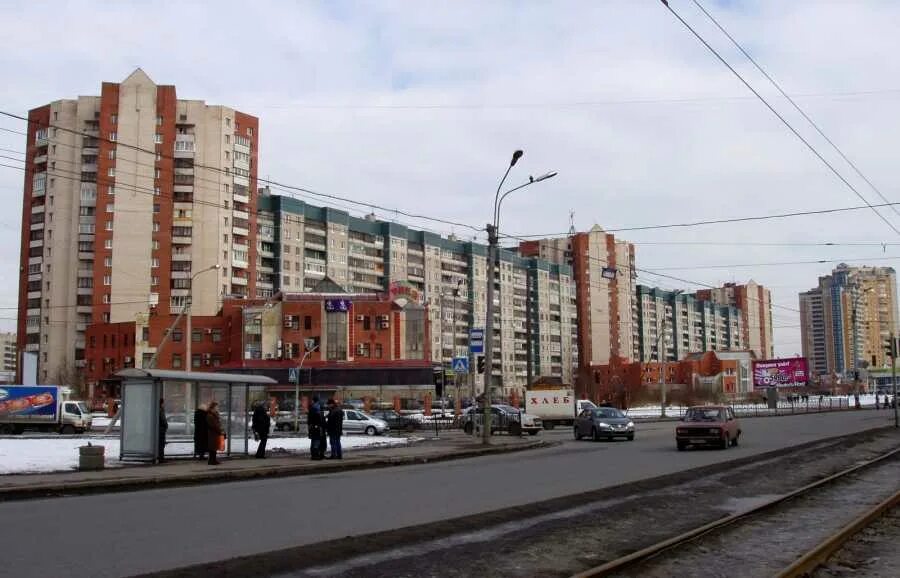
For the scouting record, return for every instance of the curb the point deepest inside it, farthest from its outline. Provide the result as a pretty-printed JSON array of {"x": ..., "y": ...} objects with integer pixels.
[{"x": 49, "y": 490}]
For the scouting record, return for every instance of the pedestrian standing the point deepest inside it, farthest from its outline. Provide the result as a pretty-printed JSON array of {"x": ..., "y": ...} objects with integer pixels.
[
  {"x": 335, "y": 426},
  {"x": 201, "y": 442},
  {"x": 261, "y": 425},
  {"x": 163, "y": 428},
  {"x": 213, "y": 432},
  {"x": 316, "y": 427}
]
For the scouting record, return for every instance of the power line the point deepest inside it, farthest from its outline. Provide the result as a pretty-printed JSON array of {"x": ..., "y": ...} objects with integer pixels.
[
  {"x": 818, "y": 261},
  {"x": 773, "y": 244},
  {"x": 710, "y": 221},
  {"x": 258, "y": 179},
  {"x": 796, "y": 106},
  {"x": 780, "y": 117}
]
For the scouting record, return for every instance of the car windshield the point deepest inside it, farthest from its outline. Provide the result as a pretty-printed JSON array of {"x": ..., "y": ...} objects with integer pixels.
[
  {"x": 507, "y": 408},
  {"x": 608, "y": 412},
  {"x": 84, "y": 408},
  {"x": 700, "y": 414}
]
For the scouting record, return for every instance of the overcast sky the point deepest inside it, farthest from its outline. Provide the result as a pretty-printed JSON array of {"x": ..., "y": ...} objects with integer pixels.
[{"x": 418, "y": 106}]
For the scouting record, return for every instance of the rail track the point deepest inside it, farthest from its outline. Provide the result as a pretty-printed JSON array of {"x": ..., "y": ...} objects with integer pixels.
[{"x": 765, "y": 530}]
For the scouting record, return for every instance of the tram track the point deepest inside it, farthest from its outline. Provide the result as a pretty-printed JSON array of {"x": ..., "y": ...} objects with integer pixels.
[{"x": 762, "y": 530}]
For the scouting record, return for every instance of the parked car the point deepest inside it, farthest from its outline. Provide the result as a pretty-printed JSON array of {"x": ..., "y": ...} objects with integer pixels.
[
  {"x": 395, "y": 420},
  {"x": 356, "y": 421},
  {"x": 603, "y": 423},
  {"x": 504, "y": 418},
  {"x": 708, "y": 425}
]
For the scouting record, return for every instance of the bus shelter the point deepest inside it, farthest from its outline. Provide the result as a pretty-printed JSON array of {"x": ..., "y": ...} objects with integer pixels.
[{"x": 183, "y": 392}]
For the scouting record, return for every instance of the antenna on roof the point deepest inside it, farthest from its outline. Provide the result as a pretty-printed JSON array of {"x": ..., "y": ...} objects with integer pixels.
[{"x": 572, "y": 230}]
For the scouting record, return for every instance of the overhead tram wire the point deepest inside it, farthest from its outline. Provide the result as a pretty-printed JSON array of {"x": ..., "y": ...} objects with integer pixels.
[
  {"x": 780, "y": 117},
  {"x": 796, "y": 106},
  {"x": 154, "y": 153}
]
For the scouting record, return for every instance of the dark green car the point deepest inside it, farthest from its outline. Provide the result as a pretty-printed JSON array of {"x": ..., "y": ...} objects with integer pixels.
[{"x": 603, "y": 423}]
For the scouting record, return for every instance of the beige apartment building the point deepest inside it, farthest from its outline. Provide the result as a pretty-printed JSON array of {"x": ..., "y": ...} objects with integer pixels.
[
  {"x": 847, "y": 320},
  {"x": 129, "y": 196},
  {"x": 755, "y": 304}
]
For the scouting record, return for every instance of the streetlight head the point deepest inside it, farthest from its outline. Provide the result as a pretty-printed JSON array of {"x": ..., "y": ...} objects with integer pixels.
[
  {"x": 515, "y": 158},
  {"x": 544, "y": 177}
]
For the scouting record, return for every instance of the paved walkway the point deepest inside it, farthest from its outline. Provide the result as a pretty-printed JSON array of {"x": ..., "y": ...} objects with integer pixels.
[{"x": 451, "y": 445}]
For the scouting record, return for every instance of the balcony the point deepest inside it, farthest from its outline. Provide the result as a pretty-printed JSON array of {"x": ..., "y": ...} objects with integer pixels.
[
  {"x": 241, "y": 180},
  {"x": 37, "y": 209},
  {"x": 241, "y": 214},
  {"x": 182, "y": 188},
  {"x": 240, "y": 231},
  {"x": 239, "y": 281},
  {"x": 180, "y": 274},
  {"x": 241, "y": 198},
  {"x": 180, "y": 292},
  {"x": 90, "y": 150},
  {"x": 40, "y": 159},
  {"x": 239, "y": 262},
  {"x": 181, "y": 240},
  {"x": 85, "y": 256},
  {"x": 181, "y": 257},
  {"x": 86, "y": 309},
  {"x": 265, "y": 268},
  {"x": 187, "y": 171}
]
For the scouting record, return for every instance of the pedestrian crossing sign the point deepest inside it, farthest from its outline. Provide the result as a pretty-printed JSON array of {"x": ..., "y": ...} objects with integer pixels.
[{"x": 460, "y": 365}]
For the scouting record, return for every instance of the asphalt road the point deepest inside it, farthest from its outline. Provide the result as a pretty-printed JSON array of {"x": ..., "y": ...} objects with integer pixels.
[{"x": 130, "y": 533}]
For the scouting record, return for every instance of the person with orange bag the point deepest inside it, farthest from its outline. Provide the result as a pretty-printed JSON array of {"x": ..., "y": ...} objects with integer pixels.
[{"x": 214, "y": 432}]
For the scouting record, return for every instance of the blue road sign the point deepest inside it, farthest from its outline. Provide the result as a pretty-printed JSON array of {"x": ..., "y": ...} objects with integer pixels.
[
  {"x": 460, "y": 365},
  {"x": 476, "y": 340},
  {"x": 293, "y": 375}
]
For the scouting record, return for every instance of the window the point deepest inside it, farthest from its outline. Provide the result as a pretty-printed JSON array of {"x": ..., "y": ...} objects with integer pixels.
[
  {"x": 157, "y": 138},
  {"x": 227, "y": 139},
  {"x": 107, "y": 280},
  {"x": 107, "y": 243},
  {"x": 176, "y": 361},
  {"x": 113, "y": 137},
  {"x": 177, "y": 335},
  {"x": 111, "y": 172},
  {"x": 216, "y": 335},
  {"x": 367, "y": 323},
  {"x": 111, "y": 191},
  {"x": 159, "y": 121},
  {"x": 378, "y": 351},
  {"x": 307, "y": 323},
  {"x": 110, "y": 207},
  {"x": 195, "y": 360},
  {"x": 154, "y": 280},
  {"x": 227, "y": 123},
  {"x": 415, "y": 334},
  {"x": 154, "y": 262},
  {"x": 157, "y": 173},
  {"x": 196, "y": 335},
  {"x": 155, "y": 245},
  {"x": 156, "y": 227},
  {"x": 156, "y": 205},
  {"x": 336, "y": 332},
  {"x": 113, "y": 119},
  {"x": 108, "y": 225},
  {"x": 156, "y": 193},
  {"x": 111, "y": 154},
  {"x": 107, "y": 261}
]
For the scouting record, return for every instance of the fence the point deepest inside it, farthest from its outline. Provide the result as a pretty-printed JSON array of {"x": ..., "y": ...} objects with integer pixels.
[{"x": 811, "y": 404}]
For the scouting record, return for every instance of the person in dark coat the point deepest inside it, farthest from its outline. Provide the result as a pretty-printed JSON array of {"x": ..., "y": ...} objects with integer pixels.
[
  {"x": 200, "y": 436},
  {"x": 261, "y": 426},
  {"x": 213, "y": 432},
  {"x": 334, "y": 425},
  {"x": 163, "y": 428},
  {"x": 316, "y": 427}
]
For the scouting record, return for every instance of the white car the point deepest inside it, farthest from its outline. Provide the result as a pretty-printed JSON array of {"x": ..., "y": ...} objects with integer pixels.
[{"x": 356, "y": 421}]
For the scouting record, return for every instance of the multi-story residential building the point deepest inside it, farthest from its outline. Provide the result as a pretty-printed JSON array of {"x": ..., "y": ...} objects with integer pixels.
[
  {"x": 605, "y": 288},
  {"x": 128, "y": 197},
  {"x": 852, "y": 313},
  {"x": 755, "y": 304},
  {"x": 8, "y": 357},
  {"x": 671, "y": 325},
  {"x": 306, "y": 243},
  {"x": 812, "y": 329}
]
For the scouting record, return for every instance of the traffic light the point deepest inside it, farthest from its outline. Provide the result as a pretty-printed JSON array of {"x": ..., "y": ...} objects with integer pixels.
[
  {"x": 890, "y": 347},
  {"x": 439, "y": 382},
  {"x": 480, "y": 364}
]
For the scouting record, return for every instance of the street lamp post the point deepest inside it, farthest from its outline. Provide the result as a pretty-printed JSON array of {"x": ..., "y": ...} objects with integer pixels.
[
  {"x": 492, "y": 232},
  {"x": 306, "y": 354},
  {"x": 190, "y": 314},
  {"x": 459, "y": 283},
  {"x": 856, "y": 362}
]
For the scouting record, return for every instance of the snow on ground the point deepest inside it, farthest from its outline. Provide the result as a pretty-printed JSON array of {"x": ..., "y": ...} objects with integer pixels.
[
  {"x": 749, "y": 409},
  {"x": 24, "y": 455}
]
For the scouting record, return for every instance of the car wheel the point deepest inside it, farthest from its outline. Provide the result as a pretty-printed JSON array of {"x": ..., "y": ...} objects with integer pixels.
[
  {"x": 595, "y": 435},
  {"x": 577, "y": 435},
  {"x": 6, "y": 429},
  {"x": 681, "y": 446},
  {"x": 370, "y": 431},
  {"x": 726, "y": 443},
  {"x": 67, "y": 430},
  {"x": 549, "y": 425},
  {"x": 631, "y": 438},
  {"x": 734, "y": 442}
]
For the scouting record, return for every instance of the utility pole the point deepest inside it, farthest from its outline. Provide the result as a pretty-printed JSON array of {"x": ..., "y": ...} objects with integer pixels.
[
  {"x": 661, "y": 350},
  {"x": 306, "y": 353},
  {"x": 894, "y": 380},
  {"x": 529, "y": 345}
]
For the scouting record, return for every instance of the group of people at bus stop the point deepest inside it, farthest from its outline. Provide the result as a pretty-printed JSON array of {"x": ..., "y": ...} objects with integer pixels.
[{"x": 209, "y": 435}]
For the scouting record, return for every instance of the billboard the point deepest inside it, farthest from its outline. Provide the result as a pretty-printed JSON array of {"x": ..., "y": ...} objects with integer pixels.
[
  {"x": 29, "y": 402},
  {"x": 780, "y": 372}
]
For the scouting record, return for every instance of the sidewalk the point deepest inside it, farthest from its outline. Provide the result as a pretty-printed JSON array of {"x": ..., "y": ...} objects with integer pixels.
[{"x": 450, "y": 446}]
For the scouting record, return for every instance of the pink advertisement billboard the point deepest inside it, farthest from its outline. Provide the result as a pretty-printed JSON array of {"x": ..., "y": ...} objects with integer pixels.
[{"x": 780, "y": 372}]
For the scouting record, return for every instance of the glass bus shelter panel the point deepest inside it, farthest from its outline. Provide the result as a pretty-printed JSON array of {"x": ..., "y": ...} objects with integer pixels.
[
  {"x": 140, "y": 415},
  {"x": 238, "y": 417},
  {"x": 179, "y": 407}
]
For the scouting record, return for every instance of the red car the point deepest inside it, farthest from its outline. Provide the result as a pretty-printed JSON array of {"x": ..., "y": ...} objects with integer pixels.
[{"x": 708, "y": 425}]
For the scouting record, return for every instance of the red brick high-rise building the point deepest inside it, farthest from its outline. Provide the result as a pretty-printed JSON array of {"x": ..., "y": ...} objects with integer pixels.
[{"x": 129, "y": 196}]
